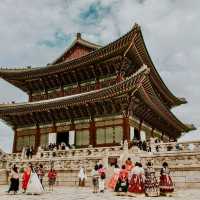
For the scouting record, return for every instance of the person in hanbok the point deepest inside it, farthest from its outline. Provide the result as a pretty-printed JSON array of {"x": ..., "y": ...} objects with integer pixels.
[
  {"x": 151, "y": 184},
  {"x": 129, "y": 164},
  {"x": 166, "y": 183},
  {"x": 113, "y": 181},
  {"x": 82, "y": 177},
  {"x": 136, "y": 183},
  {"x": 95, "y": 179},
  {"x": 26, "y": 177},
  {"x": 14, "y": 180},
  {"x": 41, "y": 173},
  {"x": 102, "y": 174},
  {"x": 34, "y": 185},
  {"x": 52, "y": 178},
  {"x": 122, "y": 182}
]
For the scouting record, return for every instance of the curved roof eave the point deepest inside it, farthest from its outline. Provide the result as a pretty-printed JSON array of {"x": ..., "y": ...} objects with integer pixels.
[
  {"x": 159, "y": 108},
  {"x": 177, "y": 101}
]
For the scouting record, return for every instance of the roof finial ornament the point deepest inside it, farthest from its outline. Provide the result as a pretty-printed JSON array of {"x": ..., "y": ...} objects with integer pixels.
[
  {"x": 78, "y": 35},
  {"x": 136, "y": 26}
]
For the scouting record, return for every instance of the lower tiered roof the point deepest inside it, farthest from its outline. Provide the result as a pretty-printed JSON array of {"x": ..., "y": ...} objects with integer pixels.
[{"x": 134, "y": 96}]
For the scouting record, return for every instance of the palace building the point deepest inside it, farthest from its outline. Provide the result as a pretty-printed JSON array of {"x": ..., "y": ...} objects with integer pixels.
[{"x": 93, "y": 95}]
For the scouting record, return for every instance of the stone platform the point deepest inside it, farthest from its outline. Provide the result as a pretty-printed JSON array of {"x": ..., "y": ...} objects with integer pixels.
[
  {"x": 75, "y": 193},
  {"x": 183, "y": 159}
]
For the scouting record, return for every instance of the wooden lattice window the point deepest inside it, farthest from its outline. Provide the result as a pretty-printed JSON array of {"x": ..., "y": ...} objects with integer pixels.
[{"x": 82, "y": 138}]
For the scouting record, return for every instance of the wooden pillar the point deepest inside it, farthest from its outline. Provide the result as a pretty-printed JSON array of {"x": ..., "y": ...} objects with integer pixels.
[
  {"x": 152, "y": 132},
  {"x": 54, "y": 129},
  {"x": 14, "y": 150},
  {"x": 126, "y": 128},
  {"x": 92, "y": 131},
  {"x": 140, "y": 125},
  {"x": 37, "y": 138},
  {"x": 30, "y": 97}
]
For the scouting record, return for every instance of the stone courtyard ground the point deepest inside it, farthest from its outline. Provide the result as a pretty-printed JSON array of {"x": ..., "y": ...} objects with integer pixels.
[{"x": 75, "y": 193}]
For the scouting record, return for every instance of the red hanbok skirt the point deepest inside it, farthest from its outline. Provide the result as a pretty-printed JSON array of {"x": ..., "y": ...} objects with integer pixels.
[
  {"x": 136, "y": 184},
  {"x": 166, "y": 184},
  {"x": 113, "y": 181}
]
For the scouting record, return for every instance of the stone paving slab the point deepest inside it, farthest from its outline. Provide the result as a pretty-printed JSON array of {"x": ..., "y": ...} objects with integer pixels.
[{"x": 75, "y": 193}]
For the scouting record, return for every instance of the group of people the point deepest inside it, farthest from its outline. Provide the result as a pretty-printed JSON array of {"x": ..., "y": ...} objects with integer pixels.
[
  {"x": 142, "y": 145},
  {"x": 27, "y": 152},
  {"x": 134, "y": 180},
  {"x": 98, "y": 178},
  {"x": 131, "y": 179},
  {"x": 32, "y": 179},
  {"x": 54, "y": 146}
]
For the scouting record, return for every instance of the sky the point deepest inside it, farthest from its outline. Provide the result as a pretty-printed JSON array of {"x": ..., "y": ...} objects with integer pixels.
[{"x": 34, "y": 33}]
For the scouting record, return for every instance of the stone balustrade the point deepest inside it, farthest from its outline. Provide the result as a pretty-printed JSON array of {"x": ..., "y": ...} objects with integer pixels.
[
  {"x": 71, "y": 153},
  {"x": 189, "y": 146}
]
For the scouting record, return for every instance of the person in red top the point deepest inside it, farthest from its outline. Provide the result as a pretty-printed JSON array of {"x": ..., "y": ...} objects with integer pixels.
[
  {"x": 26, "y": 176},
  {"x": 52, "y": 178},
  {"x": 122, "y": 183}
]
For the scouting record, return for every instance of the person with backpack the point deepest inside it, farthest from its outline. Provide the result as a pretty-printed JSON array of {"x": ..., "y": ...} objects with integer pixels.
[
  {"x": 95, "y": 178},
  {"x": 122, "y": 182},
  {"x": 102, "y": 174}
]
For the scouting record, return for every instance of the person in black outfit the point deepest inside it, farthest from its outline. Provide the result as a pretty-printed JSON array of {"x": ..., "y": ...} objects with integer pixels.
[
  {"x": 27, "y": 152},
  {"x": 14, "y": 180}
]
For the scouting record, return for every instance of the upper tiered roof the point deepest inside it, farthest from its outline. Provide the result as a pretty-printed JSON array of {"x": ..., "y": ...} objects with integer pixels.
[
  {"x": 78, "y": 48},
  {"x": 126, "y": 53}
]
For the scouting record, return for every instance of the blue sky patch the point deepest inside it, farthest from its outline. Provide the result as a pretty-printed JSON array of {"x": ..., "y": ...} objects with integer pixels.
[
  {"x": 93, "y": 14},
  {"x": 59, "y": 40}
]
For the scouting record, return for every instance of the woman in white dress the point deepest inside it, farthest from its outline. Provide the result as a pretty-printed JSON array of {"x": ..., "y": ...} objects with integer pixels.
[
  {"x": 34, "y": 185},
  {"x": 82, "y": 177}
]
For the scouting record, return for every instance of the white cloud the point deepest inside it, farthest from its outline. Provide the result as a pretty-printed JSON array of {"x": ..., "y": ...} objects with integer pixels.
[{"x": 170, "y": 28}]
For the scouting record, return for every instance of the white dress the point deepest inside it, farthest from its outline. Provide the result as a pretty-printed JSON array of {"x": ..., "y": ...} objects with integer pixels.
[{"x": 34, "y": 186}]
